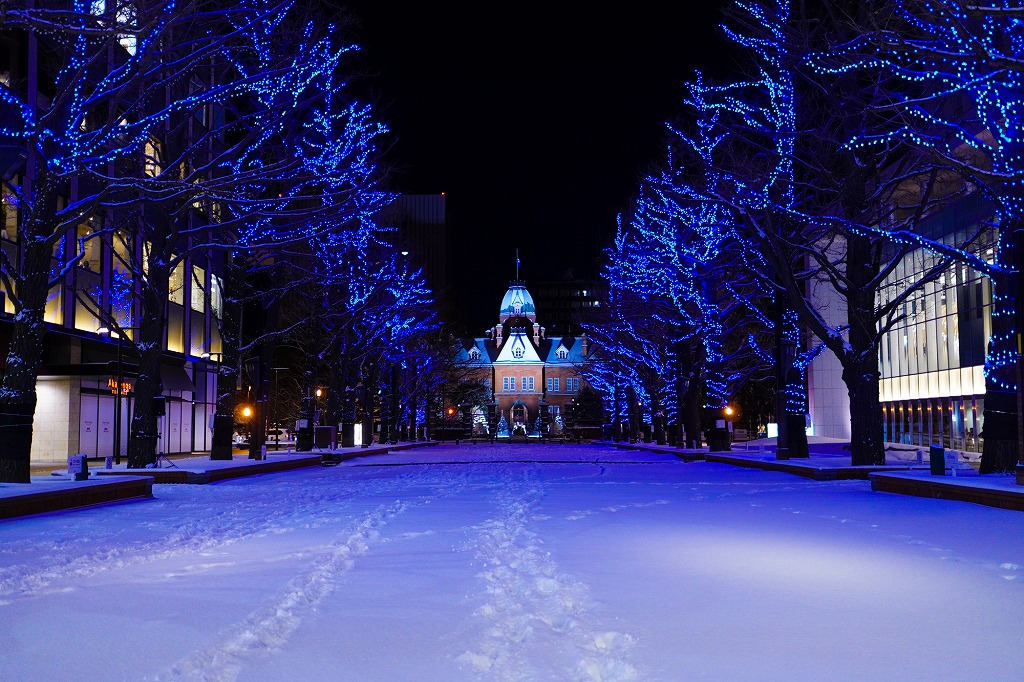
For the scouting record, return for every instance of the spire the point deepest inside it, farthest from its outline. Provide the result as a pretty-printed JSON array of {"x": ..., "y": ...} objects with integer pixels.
[{"x": 517, "y": 265}]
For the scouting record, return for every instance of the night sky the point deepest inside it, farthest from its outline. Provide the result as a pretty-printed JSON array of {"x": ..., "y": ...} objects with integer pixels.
[{"x": 536, "y": 121}]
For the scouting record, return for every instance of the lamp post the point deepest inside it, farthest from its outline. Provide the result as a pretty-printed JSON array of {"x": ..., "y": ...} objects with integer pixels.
[
  {"x": 246, "y": 414},
  {"x": 273, "y": 409},
  {"x": 216, "y": 390},
  {"x": 118, "y": 389}
]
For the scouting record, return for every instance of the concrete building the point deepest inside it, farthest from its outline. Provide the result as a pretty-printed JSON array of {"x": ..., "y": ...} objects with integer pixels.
[
  {"x": 565, "y": 304},
  {"x": 420, "y": 223},
  {"x": 85, "y": 385},
  {"x": 932, "y": 385}
]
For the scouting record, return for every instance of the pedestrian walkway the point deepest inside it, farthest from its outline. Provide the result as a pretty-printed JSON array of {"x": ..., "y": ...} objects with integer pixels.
[
  {"x": 906, "y": 471},
  {"x": 54, "y": 489}
]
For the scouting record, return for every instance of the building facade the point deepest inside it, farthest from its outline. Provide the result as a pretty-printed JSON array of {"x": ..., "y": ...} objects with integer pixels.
[
  {"x": 932, "y": 384},
  {"x": 522, "y": 365},
  {"x": 420, "y": 224},
  {"x": 85, "y": 386},
  {"x": 566, "y": 304}
]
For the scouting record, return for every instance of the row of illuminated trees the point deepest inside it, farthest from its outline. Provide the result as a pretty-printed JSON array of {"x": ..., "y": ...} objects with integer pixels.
[
  {"x": 791, "y": 191},
  {"x": 189, "y": 132}
]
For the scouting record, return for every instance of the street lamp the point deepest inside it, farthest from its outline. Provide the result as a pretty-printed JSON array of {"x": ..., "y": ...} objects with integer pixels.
[
  {"x": 215, "y": 451},
  {"x": 246, "y": 414},
  {"x": 119, "y": 388}
]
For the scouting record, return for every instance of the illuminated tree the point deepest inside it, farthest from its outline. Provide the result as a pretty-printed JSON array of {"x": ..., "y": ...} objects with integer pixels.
[
  {"x": 955, "y": 78},
  {"x": 353, "y": 309},
  {"x": 192, "y": 135},
  {"x": 820, "y": 221},
  {"x": 99, "y": 114}
]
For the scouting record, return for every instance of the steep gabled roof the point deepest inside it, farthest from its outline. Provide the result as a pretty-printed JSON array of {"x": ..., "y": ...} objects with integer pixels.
[
  {"x": 571, "y": 344},
  {"x": 518, "y": 349},
  {"x": 485, "y": 352}
]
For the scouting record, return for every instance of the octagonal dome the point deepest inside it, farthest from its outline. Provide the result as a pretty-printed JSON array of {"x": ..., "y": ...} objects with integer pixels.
[{"x": 517, "y": 303}]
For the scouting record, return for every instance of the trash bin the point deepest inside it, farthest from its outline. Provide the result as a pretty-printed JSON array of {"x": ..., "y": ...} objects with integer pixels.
[
  {"x": 937, "y": 460},
  {"x": 325, "y": 437}
]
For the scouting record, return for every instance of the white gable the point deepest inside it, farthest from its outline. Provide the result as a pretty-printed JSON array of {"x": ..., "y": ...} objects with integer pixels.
[{"x": 517, "y": 349}]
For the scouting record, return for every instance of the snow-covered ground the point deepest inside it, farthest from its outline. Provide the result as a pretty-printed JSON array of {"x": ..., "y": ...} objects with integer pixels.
[{"x": 462, "y": 563}]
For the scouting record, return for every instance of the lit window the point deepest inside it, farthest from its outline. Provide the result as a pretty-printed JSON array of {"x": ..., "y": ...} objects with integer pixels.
[
  {"x": 216, "y": 297},
  {"x": 512, "y": 383},
  {"x": 176, "y": 285},
  {"x": 152, "y": 164},
  {"x": 561, "y": 353},
  {"x": 8, "y": 215},
  {"x": 126, "y": 16},
  {"x": 88, "y": 246},
  {"x": 198, "y": 289},
  {"x": 528, "y": 383}
]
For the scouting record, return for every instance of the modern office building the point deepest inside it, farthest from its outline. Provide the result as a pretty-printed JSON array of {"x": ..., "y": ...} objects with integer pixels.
[
  {"x": 932, "y": 386},
  {"x": 565, "y": 304},
  {"x": 420, "y": 222},
  {"x": 85, "y": 385}
]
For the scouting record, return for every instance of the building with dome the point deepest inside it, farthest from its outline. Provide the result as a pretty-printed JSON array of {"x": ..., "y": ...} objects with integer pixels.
[{"x": 523, "y": 367}]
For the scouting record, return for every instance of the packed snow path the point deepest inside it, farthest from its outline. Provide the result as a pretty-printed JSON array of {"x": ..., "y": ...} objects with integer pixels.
[{"x": 501, "y": 562}]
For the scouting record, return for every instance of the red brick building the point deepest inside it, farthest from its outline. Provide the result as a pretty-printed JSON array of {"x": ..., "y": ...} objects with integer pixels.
[{"x": 522, "y": 365}]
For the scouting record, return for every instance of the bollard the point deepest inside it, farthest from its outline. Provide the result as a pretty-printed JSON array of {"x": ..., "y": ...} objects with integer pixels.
[
  {"x": 263, "y": 452},
  {"x": 83, "y": 473},
  {"x": 937, "y": 460}
]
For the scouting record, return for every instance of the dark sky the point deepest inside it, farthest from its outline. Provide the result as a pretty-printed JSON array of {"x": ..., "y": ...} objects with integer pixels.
[{"x": 536, "y": 120}]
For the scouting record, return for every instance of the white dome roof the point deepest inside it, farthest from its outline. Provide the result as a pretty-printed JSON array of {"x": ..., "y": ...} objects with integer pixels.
[{"x": 517, "y": 302}]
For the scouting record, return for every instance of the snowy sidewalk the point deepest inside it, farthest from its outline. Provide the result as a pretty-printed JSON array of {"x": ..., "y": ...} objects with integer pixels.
[
  {"x": 59, "y": 490},
  {"x": 901, "y": 474}
]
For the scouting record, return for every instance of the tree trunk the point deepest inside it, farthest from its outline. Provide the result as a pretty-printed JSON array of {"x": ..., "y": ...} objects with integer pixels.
[
  {"x": 796, "y": 420},
  {"x": 691, "y": 414},
  {"x": 999, "y": 453},
  {"x": 866, "y": 445},
  {"x": 142, "y": 445},
  {"x": 227, "y": 372},
  {"x": 1000, "y": 450},
  {"x": 18, "y": 391},
  {"x": 18, "y": 396},
  {"x": 860, "y": 361}
]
